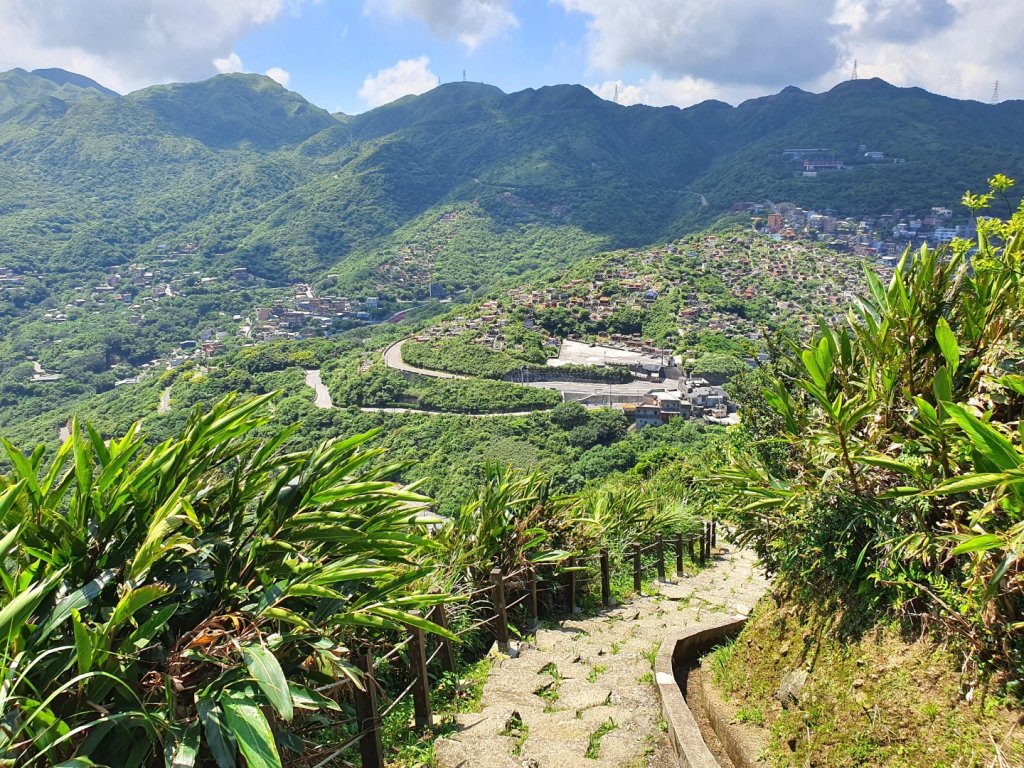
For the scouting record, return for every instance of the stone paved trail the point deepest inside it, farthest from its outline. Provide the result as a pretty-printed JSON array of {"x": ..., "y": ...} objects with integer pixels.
[{"x": 545, "y": 708}]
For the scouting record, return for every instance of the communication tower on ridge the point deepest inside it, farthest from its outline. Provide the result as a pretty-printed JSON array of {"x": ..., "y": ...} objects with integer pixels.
[
  {"x": 854, "y": 75},
  {"x": 615, "y": 97},
  {"x": 995, "y": 94}
]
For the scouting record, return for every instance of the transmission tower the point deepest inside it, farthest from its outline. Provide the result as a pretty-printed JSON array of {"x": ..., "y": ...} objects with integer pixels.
[
  {"x": 615, "y": 97},
  {"x": 995, "y": 94},
  {"x": 854, "y": 75}
]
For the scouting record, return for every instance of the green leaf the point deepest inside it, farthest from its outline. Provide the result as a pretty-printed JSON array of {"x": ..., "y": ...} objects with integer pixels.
[
  {"x": 947, "y": 343},
  {"x": 246, "y": 722},
  {"x": 134, "y": 601},
  {"x": 267, "y": 672},
  {"x": 983, "y": 543},
  {"x": 17, "y": 611},
  {"x": 304, "y": 698},
  {"x": 217, "y": 737},
  {"x": 183, "y": 751}
]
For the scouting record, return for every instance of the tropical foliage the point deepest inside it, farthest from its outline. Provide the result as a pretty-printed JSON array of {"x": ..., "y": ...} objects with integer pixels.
[
  {"x": 891, "y": 458},
  {"x": 190, "y": 599}
]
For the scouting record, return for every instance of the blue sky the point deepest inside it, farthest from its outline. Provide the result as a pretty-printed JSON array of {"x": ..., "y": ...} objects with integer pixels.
[
  {"x": 329, "y": 49},
  {"x": 352, "y": 55}
]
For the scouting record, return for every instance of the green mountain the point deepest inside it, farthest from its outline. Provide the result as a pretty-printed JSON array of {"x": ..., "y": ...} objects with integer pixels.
[{"x": 261, "y": 178}]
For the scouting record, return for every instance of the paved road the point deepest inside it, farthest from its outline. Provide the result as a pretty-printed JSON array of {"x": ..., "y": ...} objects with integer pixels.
[
  {"x": 165, "y": 401},
  {"x": 323, "y": 395},
  {"x": 393, "y": 359},
  {"x": 323, "y": 400}
]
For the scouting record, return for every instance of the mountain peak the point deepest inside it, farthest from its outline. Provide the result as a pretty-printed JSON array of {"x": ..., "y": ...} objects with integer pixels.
[{"x": 62, "y": 77}]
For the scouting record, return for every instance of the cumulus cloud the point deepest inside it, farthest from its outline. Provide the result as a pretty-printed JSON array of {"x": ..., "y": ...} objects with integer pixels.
[
  {"x": 230, "y": 63},
  {"x": 282, "y": 76},
  {"x": 471, "y": 22},
  {"x": 658, "y": 91},
  {"x": 409, "y": 76},
  {"x": 903, "y": 21},
  {"x": 690, "y": 50},
  {"x": 126, "y": 44},
  {"x": 726, "y": 41}
]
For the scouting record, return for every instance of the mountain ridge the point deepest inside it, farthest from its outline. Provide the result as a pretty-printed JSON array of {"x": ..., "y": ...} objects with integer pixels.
[{"x": 265, "y": 179}]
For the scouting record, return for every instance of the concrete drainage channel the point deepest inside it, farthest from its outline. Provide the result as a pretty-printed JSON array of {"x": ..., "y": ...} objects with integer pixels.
[{"x": 680, "y": 653}]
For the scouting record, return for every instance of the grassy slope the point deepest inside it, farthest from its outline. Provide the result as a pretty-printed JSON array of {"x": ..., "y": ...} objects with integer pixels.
[{"x": 874, "y": 696}]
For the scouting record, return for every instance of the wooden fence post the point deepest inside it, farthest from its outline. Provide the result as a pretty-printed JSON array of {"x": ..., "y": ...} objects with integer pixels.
[
  {"x": 606, "y": 579},
  {"x": 367, "y": 715},
  {"x": 531, "y": 601},
  {"x": 707, "y": 541},
  {"x": 679, "y": 554},
  {"x": 637, "y": 581},
  {"x": 660, "y": 550},
  {"x": 499, "y": 609},
  {"x": 424, "y": 718},
  {"x": 714, "y": 533},
  {"x": 689, "y": 548},
  {"x": 702, "y": 545},
  {"x": 570, "y": 598},
  {"x": 439, "y": 615}
]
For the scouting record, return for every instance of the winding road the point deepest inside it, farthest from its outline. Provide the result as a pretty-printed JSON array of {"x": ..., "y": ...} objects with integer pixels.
[
  {"x": 393, "y": 359},
  {"x": 323, "y": 395}
]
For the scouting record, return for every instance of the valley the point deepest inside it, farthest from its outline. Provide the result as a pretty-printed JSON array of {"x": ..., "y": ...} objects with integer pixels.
[{"x": 292, "y": 401}]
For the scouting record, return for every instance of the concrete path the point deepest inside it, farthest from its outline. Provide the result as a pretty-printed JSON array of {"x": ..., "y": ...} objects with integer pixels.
[
  {"x": 582, "y": 695},
  {"x": 165, "y": 401},
  {"x": 323, "y": 395}
]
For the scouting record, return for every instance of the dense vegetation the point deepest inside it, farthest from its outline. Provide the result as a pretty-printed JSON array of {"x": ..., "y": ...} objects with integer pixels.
[
  {"x": 886, "y": 467},
  {"x": 191, "y": 599}
]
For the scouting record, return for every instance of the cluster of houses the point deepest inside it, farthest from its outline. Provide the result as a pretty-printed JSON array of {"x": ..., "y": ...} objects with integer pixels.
[
  {"x": 410, "y": 270},
  {"x": 814, "y": 160},
  {"x": 305, "y": 315},
  {"x": 139, "y": 286},
  {"x": 883, "y": 238},
  {"x": 10, "y": 279},
  {"x": 696, "y": 398}
]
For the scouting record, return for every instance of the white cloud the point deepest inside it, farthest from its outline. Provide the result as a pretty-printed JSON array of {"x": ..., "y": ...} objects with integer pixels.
[
  {"x": 727, "y": 41},
  {"x": 283, "y": 76},
  {"x": 409, "y": 76},
  {"x": 732, "y": 49},
  {"x": 471, "y": 22},
  {"x": 658, "y": 91},
  {"x": 126, "y": 44},
  {"x": 230, "y": 63}
]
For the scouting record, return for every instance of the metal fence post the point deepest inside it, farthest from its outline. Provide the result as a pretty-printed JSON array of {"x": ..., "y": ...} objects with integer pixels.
[
  {"x": 367, "y": 715},
  {"x": 499, "y": 609},
  {"x": 606, "y": 579},
  {"x": 424, "y": 718},
  {"x": 439, "y": 615},
  {"x": 637, "y": 581},
  {"x": 570, "y": 598},
  {"x": 660, "y": 550},
  {"x": 531, "y": 601}
]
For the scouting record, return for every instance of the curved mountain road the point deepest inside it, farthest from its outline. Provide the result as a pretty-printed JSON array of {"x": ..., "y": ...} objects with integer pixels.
[{"x": 393, "y": 359}]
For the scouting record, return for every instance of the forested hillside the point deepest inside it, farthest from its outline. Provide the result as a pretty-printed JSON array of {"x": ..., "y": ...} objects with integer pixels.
[{"x": 264, "y": 179}]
